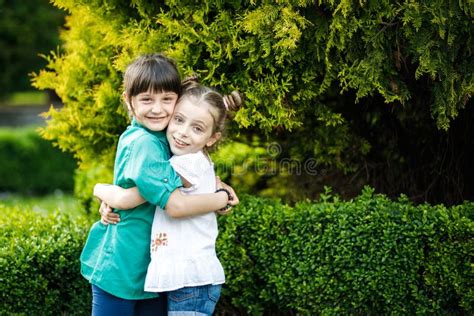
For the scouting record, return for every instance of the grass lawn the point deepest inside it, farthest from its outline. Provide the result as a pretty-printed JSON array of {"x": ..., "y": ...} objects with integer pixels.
[{"x": 45, "y": 204}]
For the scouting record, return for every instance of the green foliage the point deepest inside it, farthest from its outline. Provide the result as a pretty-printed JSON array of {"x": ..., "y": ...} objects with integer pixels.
[
  {"x": 27, "y": 29},
  {"x": 39, "y": 264},
  {"x": 84, "y": 181},
  {"x": 244, "y": 165},
  {"x": 369, "y": 256},
  {"x": 30, "y": 164},
  {"x": 350, "y": 84},
  {"x": 255, "y": 167}
]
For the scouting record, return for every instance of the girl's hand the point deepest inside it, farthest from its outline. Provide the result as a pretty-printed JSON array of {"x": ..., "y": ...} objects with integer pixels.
[
  {"x": 222, "y": 185},
  {"x": 107, "y": 216},
  {"x": 234, "y": 198},
  {"x": 218, "y": 182},
  {"x": 225, "y": 211}
]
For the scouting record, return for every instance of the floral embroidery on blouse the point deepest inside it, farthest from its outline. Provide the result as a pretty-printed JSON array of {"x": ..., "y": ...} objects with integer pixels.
[{"x": 160, "y": 239}]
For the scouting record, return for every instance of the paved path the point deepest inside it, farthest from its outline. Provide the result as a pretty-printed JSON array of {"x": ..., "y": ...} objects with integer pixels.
[{"x": 21, "y": 115}]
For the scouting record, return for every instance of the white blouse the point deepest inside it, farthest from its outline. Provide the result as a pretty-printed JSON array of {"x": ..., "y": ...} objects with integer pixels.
[{"x": 183, "y": 249}]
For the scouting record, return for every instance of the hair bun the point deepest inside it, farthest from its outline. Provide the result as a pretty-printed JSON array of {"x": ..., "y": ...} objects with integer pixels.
[
  {"x": 190, "y": 82},
  {"x": 233, "y": 101}
]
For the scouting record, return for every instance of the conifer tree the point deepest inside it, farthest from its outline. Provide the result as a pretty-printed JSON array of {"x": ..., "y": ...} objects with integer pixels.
[{"x": 348, "y": 83}]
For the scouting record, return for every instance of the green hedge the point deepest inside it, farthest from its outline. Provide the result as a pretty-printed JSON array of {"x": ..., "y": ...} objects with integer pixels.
[
  {"x": 30, "y": 164},
  {"x": 371, "y": 255},
  {"x": 368, "y": 256},
  {"x": 39, "y": 264}
]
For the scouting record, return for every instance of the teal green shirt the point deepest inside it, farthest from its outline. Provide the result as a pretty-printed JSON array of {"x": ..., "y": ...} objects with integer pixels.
[{"x": 115, "y": 257}]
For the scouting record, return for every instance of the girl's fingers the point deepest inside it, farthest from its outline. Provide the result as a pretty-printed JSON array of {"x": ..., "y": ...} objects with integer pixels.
[
  {"x": 235, "y": 198},
  {"x": 107, "y": 216},
  {"x": 104, "y": 208},
  {"x": 105, "y": 220},
  {"x": 218, "y": 182},
  {"x": 113, "y": 218},
  {"x": 224, "y": 212}
]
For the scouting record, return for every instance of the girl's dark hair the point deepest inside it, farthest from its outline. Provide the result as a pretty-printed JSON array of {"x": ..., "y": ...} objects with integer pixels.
[
  {"x": 222, "y": 107},
  {"x": 151, "y": 72}
]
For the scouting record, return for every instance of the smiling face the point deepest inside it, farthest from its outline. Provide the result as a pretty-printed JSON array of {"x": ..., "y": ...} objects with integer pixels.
[
  {"x": 153, "y": 110},
  {"x": 191, "y": 128}
]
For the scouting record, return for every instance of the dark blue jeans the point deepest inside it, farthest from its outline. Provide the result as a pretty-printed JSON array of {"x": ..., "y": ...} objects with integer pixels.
[
  {"x": 193, "y": 301},
  {"x": 105, "y": 304}
]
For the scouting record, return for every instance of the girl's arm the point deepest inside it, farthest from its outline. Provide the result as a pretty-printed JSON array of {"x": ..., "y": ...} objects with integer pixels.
[
  {"x": 181, "y": 205},
  {"x": 118, "y": 197},
  {"x": 178, "y": 205}
]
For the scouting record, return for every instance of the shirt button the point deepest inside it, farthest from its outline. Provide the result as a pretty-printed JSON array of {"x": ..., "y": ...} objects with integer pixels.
[{"x": 165, "y": 180}]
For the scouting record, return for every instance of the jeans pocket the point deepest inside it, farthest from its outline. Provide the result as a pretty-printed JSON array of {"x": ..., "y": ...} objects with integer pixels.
[
  {"x": 214, "y": 292},
  {"x": 182, "y": 294}
]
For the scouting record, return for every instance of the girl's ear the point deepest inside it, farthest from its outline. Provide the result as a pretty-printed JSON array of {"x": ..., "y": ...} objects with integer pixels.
[
  {"x": 213, "y": 139},
  {"x": 127, "y": 104}
]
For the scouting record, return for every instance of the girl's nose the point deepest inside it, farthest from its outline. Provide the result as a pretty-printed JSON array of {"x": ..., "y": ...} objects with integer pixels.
[
  {"x": 183, "y": 132},
  {"x": 157, "y": 108}
]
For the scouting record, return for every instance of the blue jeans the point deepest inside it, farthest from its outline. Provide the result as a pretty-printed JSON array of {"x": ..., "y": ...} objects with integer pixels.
[
  {"x": 197, "y": 300},
  {"x": 105, "y": 304}
]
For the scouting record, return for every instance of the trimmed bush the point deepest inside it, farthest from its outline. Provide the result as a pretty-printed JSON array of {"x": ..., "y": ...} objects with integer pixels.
[
  {"x": 367, "y": 256},
  {"x": 39, "y": 264},
  {"x": 30, "y": 164}
]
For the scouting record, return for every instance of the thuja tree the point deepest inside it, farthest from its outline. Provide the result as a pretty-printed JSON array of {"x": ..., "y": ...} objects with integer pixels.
[{"x": 371, "y": 91}]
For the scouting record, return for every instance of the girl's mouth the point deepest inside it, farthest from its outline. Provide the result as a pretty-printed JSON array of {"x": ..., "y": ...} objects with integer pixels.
[
  {"x": 180, "y": 143},
  {"x": 156, "y": 118}
]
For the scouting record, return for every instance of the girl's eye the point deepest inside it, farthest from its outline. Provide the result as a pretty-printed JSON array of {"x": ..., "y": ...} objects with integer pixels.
[
  {"x": 198, "y": 129},
  {"x": 178, "y": 119},
  {"x": 145, "y": 99},
  {"x": 168, "y": 99}
]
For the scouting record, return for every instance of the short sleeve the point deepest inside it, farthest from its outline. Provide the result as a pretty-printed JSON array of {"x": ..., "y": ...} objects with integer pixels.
[
  {"x": 190, "y": 166},
  {"x": 149, "y": 169}
]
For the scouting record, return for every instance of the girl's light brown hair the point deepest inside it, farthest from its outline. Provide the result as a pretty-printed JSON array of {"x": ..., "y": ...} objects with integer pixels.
[{"x": 221, "y": 106}]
